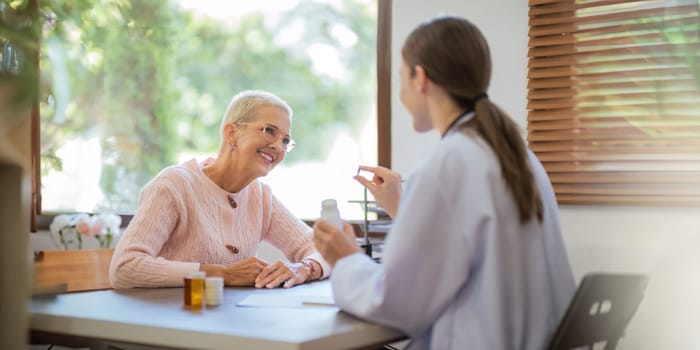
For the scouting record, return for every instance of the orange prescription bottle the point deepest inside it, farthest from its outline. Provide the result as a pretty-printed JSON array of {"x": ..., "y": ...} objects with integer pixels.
[{"x": 194, "y": 289}]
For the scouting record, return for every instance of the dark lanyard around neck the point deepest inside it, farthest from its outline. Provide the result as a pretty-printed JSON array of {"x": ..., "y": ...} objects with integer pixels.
[{"x": 454, "y": 122}]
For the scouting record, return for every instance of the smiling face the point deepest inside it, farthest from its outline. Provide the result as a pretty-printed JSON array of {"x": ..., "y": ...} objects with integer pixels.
[{"x": 256, "y": 146}]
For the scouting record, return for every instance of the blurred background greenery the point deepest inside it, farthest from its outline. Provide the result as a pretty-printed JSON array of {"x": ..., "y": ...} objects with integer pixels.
[{"x": 149, "y": 80}]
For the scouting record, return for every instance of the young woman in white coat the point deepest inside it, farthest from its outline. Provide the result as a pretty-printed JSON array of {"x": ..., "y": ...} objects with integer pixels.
[{"x": 475, "y": 258}]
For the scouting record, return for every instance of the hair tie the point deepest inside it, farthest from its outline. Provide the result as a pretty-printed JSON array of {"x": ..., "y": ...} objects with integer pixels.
[{"x": 480, "y": 96}]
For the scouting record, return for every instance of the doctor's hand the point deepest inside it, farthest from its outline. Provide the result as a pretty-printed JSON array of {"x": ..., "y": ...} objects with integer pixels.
[
  {"x": 385, "y": 187},
  {"x": 281, "y": 274},
  {"x": 334, "y": 244}
]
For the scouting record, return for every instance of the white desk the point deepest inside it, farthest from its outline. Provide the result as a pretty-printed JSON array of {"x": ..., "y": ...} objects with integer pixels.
[{"x": 157, "y": 317}]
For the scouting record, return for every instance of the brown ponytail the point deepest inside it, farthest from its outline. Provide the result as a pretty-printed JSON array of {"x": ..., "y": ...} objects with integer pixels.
[{"x": 502, "y": 134}]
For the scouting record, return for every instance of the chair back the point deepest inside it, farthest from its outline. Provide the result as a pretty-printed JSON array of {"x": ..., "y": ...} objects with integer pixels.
[
  {"x": 599, "y": 311},
  {"x": 57, "y": 271}
]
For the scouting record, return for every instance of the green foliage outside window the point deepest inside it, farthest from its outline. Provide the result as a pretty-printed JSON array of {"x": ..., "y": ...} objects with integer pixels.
[
  {"x": 18, "y": 39},
  {"x": 152, "y": 80}
]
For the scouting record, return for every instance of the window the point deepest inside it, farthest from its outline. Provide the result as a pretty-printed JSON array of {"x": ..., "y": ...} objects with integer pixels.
[
  {"x": 614, "y": 99},
  {"x": 130, "y": 87}
]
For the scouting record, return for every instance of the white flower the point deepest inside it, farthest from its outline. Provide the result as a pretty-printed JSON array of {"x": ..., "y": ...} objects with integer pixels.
[
  {"x": 60, "y": 222},
  {"x": 110, "y": 221}
]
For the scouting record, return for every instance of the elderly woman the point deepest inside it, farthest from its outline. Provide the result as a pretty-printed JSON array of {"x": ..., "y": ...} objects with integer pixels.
[{"x": 211, "y": 216}]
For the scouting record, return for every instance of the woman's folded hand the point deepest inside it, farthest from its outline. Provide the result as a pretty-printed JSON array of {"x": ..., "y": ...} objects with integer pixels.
[
  {"x": 281, "y": 274},
  {"x": 244, "y": 273}
]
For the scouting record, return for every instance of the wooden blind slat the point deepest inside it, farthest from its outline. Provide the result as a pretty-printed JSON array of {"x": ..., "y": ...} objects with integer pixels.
[
  {"x": 663, "y": 94},
  {"x": 551, "y": 72},
  {"x": 551, "y": 40},
  {"x": 666, "y": 86},
  {"x": 630, "y": 178},
  {"x": 551, "y": 114},
  {"x": 568, "y": 6},
  {"x": 615, "y": 145},
  {"x": 646, "y": 39},
  {"x": 541, "y": 2},
  {"x": 630, "y": 28},
  {"x": 626, "y": 166},
  {"x": 551, "y": 93},
  {"x": 582, "y": 18},
  {"x": 662, "y": 200},
  {"x": 549, "y": 83},
  {"x": 549, "y": 51},
  {"x": 608, "y": 134},
  {"x": 541, "y": 62},
  {"x": 664, "y": 67},
  {"x": 599, "y": 16},
  {"x": 628, "y": 155},
  {"x": 554, "y": 8},
  {"x": 562, "y": 52},
  {"x": 552, "y": 29},
  {"x": 624, "y": 75},
  {"x": 604, "y": 112},
  {"x": 611, "y": 123},
  {"x": 616, "y": 189}
]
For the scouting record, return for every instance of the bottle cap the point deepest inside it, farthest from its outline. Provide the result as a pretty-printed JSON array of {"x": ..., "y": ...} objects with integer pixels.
[
  {"x": 329, "y": 203},
  {"x": 198, "y": 274},
  {"x": 214, "y": 281}
]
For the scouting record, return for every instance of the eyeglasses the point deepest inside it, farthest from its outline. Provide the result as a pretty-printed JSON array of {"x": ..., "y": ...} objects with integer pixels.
[{"x": 272, "y": 134}]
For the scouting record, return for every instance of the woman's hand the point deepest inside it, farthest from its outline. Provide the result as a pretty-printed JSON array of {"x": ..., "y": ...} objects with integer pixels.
[
  {"x": 385, "y": 187},
  {"x": 243, "y": 273},
  {"x": 333, "y": 244},
  {"x": 281, "y": 274}
]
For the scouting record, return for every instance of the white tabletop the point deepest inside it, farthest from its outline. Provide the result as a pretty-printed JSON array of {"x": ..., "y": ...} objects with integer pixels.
[{"x": 157, "y": 317}]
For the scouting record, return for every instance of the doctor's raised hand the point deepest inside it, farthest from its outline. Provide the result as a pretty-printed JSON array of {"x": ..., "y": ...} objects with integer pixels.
[{"x": 385, "y": 186}]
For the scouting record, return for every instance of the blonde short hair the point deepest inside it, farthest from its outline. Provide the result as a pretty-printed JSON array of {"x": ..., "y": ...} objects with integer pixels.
[{"x": 243, "y": 106}]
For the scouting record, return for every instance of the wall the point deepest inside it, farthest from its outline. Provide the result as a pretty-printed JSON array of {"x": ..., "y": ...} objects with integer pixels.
[
  {"x": 661, "y": 242},
  {"x": 508, "y": 79}
]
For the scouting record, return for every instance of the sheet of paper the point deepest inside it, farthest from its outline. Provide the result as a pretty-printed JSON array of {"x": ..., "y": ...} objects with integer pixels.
[{"x": 270, "y": 300}]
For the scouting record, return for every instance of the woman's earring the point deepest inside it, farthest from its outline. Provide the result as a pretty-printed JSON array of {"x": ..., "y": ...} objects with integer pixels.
[{"x": 232, "y": 148}]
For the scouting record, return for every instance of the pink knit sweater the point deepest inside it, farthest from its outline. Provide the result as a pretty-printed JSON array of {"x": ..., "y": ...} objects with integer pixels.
[{"x": 184, "y": 219}]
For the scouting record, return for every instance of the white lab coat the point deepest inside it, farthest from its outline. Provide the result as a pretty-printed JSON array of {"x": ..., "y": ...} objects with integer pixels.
[{"x": 458, "y": 270}]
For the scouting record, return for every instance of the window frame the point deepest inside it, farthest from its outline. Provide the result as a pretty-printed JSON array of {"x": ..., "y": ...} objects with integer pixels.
[{"x": 41, "y": 221}]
